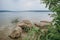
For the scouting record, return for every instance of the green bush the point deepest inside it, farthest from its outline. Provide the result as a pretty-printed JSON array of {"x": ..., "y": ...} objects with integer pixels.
[
  {"x": 54, "y": 30},
  {"x": 33, "y": 34}
]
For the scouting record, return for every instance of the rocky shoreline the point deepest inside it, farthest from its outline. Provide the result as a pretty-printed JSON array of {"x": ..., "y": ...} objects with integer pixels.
[{"x": 20, "y": 29}]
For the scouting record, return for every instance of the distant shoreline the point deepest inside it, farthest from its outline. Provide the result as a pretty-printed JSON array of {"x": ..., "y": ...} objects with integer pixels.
[{"x": 26, "y": 11}]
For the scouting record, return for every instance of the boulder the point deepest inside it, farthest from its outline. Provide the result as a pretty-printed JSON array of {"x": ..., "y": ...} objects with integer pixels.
[
  {"x": 25, "y": 23},
  {"x": 21, "y": 29},
  {"x": 16, "y": 33},
  {"x": 42, "y": 24}
]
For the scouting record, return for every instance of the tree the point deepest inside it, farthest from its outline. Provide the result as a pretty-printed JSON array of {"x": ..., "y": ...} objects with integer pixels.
[{"x": 54, "y": 31}]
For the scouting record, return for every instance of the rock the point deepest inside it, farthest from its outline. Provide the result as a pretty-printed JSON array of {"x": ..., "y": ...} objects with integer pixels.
[
  {"x": 16, "y": 33},
  {"x": 21, "y": 29},
  {"x": 42, "y": 24},
  {"x": 25, "y": 23}
]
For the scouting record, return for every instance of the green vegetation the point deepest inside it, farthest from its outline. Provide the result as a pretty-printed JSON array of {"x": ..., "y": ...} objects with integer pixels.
[
  {"x": 54, "y": 30},
  {"x": 33, "y": 34}
]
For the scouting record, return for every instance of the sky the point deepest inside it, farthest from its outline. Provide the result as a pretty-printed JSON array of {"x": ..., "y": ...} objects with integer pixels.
[{"x": 18, "y": 5}]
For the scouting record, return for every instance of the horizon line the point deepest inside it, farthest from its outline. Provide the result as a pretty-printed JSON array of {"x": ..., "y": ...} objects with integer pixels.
[{"x": 26, "y": 11}]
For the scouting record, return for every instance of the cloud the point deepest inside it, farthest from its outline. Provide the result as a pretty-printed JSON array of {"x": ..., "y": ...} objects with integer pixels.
[
  {"x": 23, "y": 5},
  {"x": 32, "y": 5}
]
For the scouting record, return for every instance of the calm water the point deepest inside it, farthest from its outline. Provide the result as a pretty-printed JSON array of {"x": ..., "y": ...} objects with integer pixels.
[{"x": 7, "y": 17}]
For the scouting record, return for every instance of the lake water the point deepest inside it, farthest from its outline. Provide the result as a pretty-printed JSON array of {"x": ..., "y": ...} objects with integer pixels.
[{"x": 7, "y": 17}]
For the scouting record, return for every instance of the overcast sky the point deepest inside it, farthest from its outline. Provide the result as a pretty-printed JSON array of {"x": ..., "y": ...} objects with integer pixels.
[{"x": 22, "y": 5}]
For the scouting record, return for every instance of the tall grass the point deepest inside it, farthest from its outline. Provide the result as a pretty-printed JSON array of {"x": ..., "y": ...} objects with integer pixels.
[{"x": 33, "y": 34}]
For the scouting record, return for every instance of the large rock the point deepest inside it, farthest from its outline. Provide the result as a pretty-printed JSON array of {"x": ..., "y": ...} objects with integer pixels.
[
  {"x": 16, "y": 33},
  {"x": 24, "y": 23},
  {"x": 42, "y": 24},
  {"x": 20, "y": 30}
]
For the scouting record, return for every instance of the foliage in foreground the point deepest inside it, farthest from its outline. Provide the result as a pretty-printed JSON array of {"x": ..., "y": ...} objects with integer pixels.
[
  {"x": 33, "y": 34},
  {"x": 54, "y": 30}
]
